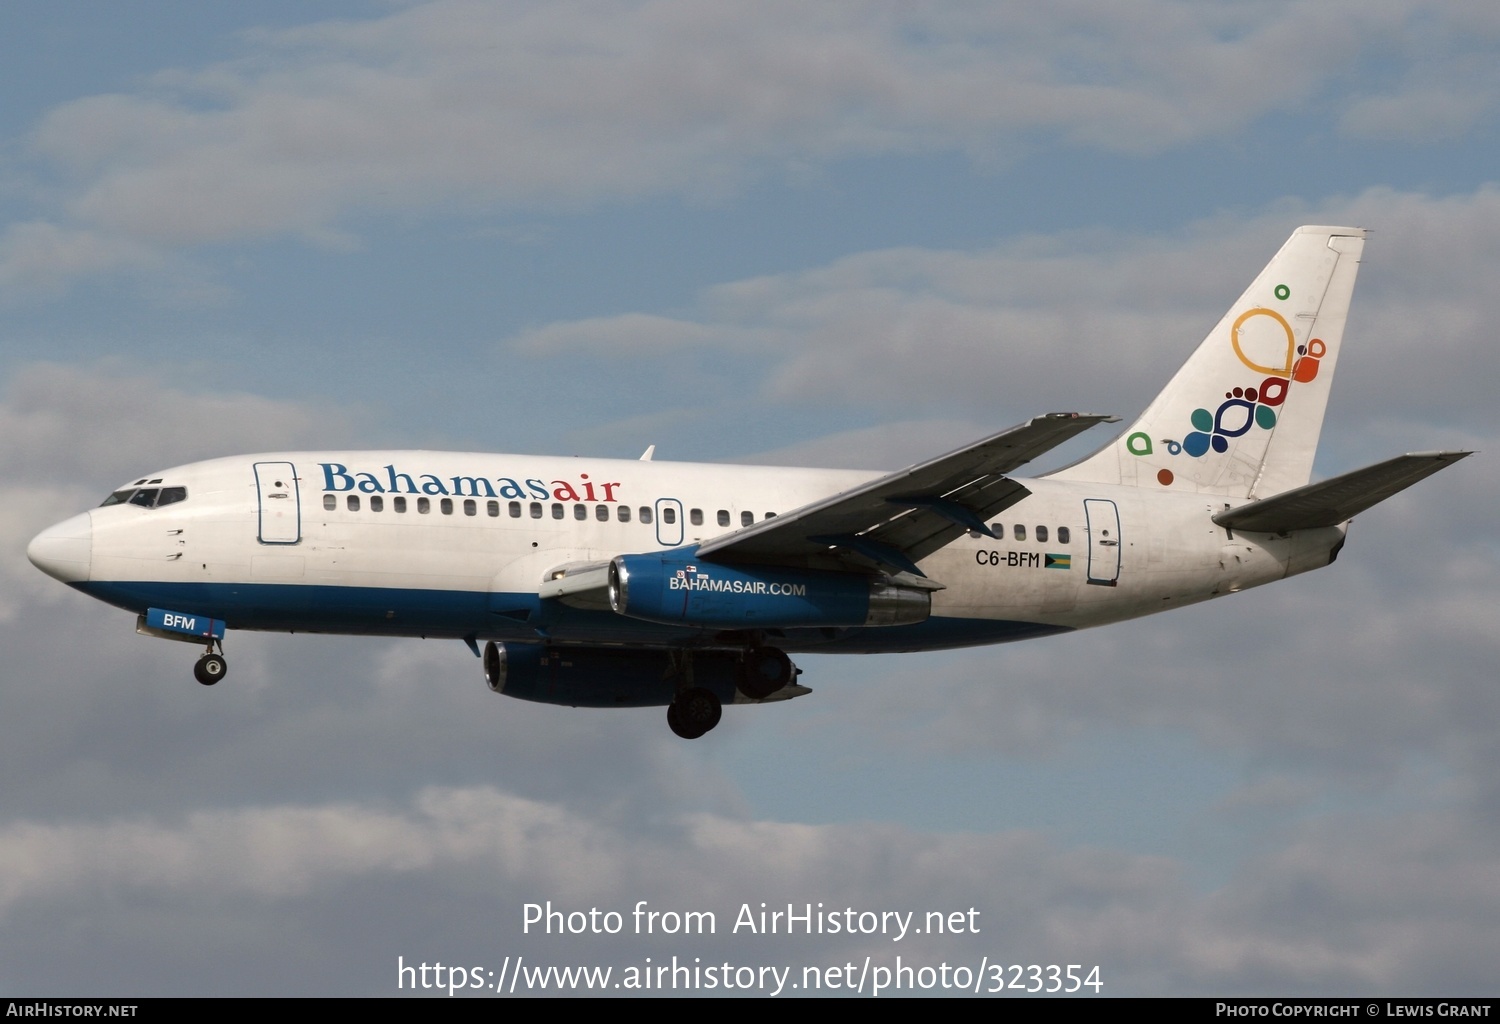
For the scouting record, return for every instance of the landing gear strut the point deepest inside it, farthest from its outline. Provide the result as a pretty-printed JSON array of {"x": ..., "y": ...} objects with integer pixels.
[
  {"x": 210, "y": 668},
  {"x": 695, "y": 709}
]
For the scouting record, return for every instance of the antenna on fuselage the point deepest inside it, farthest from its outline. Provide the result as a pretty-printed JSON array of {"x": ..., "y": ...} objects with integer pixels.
[{"x": 646, "y": 455}]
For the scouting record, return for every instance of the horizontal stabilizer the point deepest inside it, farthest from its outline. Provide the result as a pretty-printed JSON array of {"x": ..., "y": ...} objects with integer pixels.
[{"x": 1334, "y": 501}]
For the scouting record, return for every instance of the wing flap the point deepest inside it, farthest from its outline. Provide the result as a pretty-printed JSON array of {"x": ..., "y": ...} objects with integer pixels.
[{"x": 1337, "y": 500}]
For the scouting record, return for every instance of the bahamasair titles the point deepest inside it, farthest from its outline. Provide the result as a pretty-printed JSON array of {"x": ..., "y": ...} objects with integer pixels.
[{"x": 609, "y": 583}]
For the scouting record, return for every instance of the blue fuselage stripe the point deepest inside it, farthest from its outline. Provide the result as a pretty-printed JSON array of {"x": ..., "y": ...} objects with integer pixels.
[{"x": 381, "y": 611}]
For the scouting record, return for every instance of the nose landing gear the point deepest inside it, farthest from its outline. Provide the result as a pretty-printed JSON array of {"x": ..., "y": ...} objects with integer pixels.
[{"x": 211, "y": 667}]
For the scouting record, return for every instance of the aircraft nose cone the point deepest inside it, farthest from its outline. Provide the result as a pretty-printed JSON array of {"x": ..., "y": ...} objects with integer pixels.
[{"x": 64, "y": 551}]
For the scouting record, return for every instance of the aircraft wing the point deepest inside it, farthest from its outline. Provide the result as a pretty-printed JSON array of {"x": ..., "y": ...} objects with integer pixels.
[
  {"x": 897, "y": 520},
  {"x": 1334, "y": 501}
]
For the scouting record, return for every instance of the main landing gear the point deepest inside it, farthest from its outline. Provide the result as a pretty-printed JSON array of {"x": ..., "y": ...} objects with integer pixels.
[
  {"x": 696, "y": 709},
  {"x": 694, "y": 712},
  {"x": 211, "y": 667}
]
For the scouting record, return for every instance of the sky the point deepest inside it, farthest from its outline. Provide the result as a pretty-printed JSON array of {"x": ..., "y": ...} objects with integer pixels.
[{"x": 848, "y": 234}]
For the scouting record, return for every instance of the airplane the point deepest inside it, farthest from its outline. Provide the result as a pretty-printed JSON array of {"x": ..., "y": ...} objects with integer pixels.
[{"x": 627, "y": 583}]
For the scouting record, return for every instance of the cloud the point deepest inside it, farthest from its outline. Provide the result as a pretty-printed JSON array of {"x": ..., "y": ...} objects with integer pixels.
[
  {"x": 111, "y": 420},
  {"x": 38, "y": 258},
  {"x": 887, "y": 446},
  {"x": 1416, "y": 116},
  {"x": 629, "y": 334},
  {"x": 1095, "y": 321},
  {"x": 283, "y": 852},
  {"x": 68, "y": 434},
  {"x": 1341, "y": 907},
  {"x": 473, "y": 104}
]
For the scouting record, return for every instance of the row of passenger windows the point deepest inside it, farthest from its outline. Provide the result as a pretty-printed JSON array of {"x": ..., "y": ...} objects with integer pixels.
[
  {"x": 1018, "y": 531},
  {"x": 536, "y": 510},
  {"x": 622, "y": 513}
]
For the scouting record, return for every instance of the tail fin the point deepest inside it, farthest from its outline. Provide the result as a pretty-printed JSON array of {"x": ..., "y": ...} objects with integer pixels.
[{"x": 1243, "y": 415}]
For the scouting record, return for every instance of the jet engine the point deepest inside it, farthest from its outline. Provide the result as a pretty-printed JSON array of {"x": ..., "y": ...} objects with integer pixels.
[
  {"x": 605, "y": 677},
  {"x": 680, "y": 591}
]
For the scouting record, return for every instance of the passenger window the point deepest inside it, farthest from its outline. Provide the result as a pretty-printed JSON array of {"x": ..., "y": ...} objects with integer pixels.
[
  {"x": 493, "y": 508},
  {"x": 398, "y": 504},
  {"x": 1020, "y": 532},
  {"x": 557, "y": 510},
  {"x": 536, "y": 510},
  {"x": 601, "y": 513},
  {"x": 171, "y": 496},
  {"x": 353, "y": 502},
  {"x": 377, "y": 503},
  {"x": 696, "y": 517},
  {"x": 998, "y": 529},
  {"x": 447, "y": 506},
  {"x": 330, "y": 502},
  {"x": 623, "y": 512},
  {"x": 145, "y": 498},
  {"x": 646, "y": 514},
  {"x": 669, "y": 515},
  {"x": 471, "y": 507},
  {"x": 1041, "y": 534},
  {"x": 580, "y": 512},
  {"x": 515, "y": 510},
  {"x": 424, "y": 506},
  {"x": 770, "y": 515},
  {"x": 1063, "y": 535},
  {"x": 723, "y": 517},
  {"x": 746, "y": 518}
]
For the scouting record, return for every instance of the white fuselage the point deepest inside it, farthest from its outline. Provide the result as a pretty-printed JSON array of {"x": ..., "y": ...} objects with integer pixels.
[{"x": 416, "y": 543}]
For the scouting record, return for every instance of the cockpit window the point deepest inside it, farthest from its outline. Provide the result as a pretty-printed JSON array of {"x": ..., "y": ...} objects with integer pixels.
[{"x": 147, "y": 497}]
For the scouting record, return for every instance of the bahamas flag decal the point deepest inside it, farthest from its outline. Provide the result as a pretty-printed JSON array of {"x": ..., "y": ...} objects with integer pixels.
[{"x": 1058, "y": 562}]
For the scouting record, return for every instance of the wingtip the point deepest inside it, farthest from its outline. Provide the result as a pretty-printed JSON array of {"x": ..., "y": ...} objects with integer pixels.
[
  {"x": 1448, "y": 455},
  {"x": 1097, "y": 417}
]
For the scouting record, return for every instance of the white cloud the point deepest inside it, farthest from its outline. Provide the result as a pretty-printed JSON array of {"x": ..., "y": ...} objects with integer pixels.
[
  {"x": 110, "y": 421},
  {"x": 69, "y": 434},
  {"x": 629, "y": 334},
  {"x": 457, "y": 101},
  {"x": 1340, "y": 907},
  {"x": 1418, "y": 116},
  {"x": 1096, "y": 321},
  {"x": 281, "y": 852},
  {"x": 38, "y": 258}
]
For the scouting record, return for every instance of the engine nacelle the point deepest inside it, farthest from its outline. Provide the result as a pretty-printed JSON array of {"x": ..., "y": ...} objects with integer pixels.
[
  {"x": 602, "y": 677},
  {"x": 682, "y": 591}
]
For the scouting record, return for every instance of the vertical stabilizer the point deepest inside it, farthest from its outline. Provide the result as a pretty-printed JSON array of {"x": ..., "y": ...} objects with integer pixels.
[{"x": 1243, "y": 415}]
